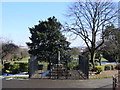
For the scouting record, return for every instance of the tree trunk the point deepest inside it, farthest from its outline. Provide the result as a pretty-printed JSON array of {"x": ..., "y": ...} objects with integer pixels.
[
  {"x": 99, "y": 60},
  {"x": 2, "y": 62},
  {"x": 49, "y": 67},
  {"x": 92, "y": 59}
]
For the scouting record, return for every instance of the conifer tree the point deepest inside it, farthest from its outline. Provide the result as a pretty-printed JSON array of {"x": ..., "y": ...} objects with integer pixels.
[{"x": 47, "y": 40}]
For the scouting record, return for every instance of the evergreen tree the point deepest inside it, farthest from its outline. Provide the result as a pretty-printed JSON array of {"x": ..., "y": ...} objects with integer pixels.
[
  {"x": 47, "y": 40},
  {"x": 111, "y": 47}
]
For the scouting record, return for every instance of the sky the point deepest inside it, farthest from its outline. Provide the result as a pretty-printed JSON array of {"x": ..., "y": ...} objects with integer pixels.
[{"x": 18, "y": 16}]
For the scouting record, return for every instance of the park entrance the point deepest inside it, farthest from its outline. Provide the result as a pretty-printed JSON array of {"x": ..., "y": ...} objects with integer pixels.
[{"x": 61, "y": 70}]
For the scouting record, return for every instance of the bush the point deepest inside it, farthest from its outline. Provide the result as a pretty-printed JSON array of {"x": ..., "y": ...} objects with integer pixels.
[
  {"x": 7, "y": 71},
  {"x": 16, "y": 62},
  {"x": 40, "y": 67},
  {"x": 112, "y": 67},
  {"x": 96, "y": 63},
  {"x": 14, "y": 68},
  {"x": 109, "y": 67},
  {"x": 76, "y": 67},
  {"x": 98, "y": 69},
  {"x": 72, "y": 66},
  {"x": 90, "y": 66},
  {"x": 117, "y": 66},
  {"x": 6, "y": 66},
  {"x": 23, "y": 67}
]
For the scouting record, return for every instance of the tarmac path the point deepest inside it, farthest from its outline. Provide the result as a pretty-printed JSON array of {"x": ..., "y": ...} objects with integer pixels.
[{"x": 37, "y": 83}]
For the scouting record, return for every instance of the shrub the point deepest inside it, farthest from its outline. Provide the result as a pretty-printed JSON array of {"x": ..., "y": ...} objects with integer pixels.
[
  {"x": 112, "y": 67},
  {"x": 49, "y": 66},
  {"x": 7, "y": 71},
  {"x": 14, "y": 68},
  {"x": 40, "y": 67},
  {"x": 109, "y": 67},
  {"x": 96, "y": 63},
  {"x": 98, "y": 69},
  {"x": 16, "y": 62},
  {"x": 23, "y": 67},
  {"x": 6, "y": 66},
  {"x": 90, "y": 66},
  {"x": 76, "y": 67},
  {"x": 73, "y": 66},
  {"x": 117, "y": 66}
]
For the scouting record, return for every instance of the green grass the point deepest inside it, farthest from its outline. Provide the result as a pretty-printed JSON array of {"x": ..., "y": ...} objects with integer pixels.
[
  {"x": 74, "y": 56},
  {"x": 24, "y": 60},
  {"x": 45, "y": 65},
  {"x": 103, "y": 59},
  {"x": 16, "y": 77},
  {"x": 0, "y": 68},
  {"x": 101, "y": 77}
]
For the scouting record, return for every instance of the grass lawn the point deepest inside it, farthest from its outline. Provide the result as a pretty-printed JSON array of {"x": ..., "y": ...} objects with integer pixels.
[
  {"x": 0, "y": 68},
  {"x": 74, "y": 56},
  {"x": 24, "y": 60},
  {"x": 103, "y": 59},
  {"x": 16, "y": 77},
  {"x": 45, "y": 65},
  {"x": 104, "y": 74}
]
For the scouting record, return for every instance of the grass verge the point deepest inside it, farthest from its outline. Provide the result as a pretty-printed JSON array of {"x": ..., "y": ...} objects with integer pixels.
[
  {"x": 101, "y": 77},
  {"x": 15, "y": 77}
]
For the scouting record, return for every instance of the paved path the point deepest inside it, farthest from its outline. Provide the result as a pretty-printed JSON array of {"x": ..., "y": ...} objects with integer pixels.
[{"x": 36, "y": 83}]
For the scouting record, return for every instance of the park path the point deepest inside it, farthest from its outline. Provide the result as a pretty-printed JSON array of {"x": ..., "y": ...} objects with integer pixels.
[{"x": 37, "y": 83}]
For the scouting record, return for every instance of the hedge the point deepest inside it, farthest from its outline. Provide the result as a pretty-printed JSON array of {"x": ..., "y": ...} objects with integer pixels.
[
  {"x": 98, "y": 69},
  {"x": 15, "y": 68},
  {"x": 109, "y": 67},
  {"x": 117, "y": 66}
]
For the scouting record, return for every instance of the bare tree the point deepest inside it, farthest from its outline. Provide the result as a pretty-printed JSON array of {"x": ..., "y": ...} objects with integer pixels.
[
  {"x": 90, "y": 19},
  {"x": 23, "y": 52},
  {"x": 7, "y": 48}
]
